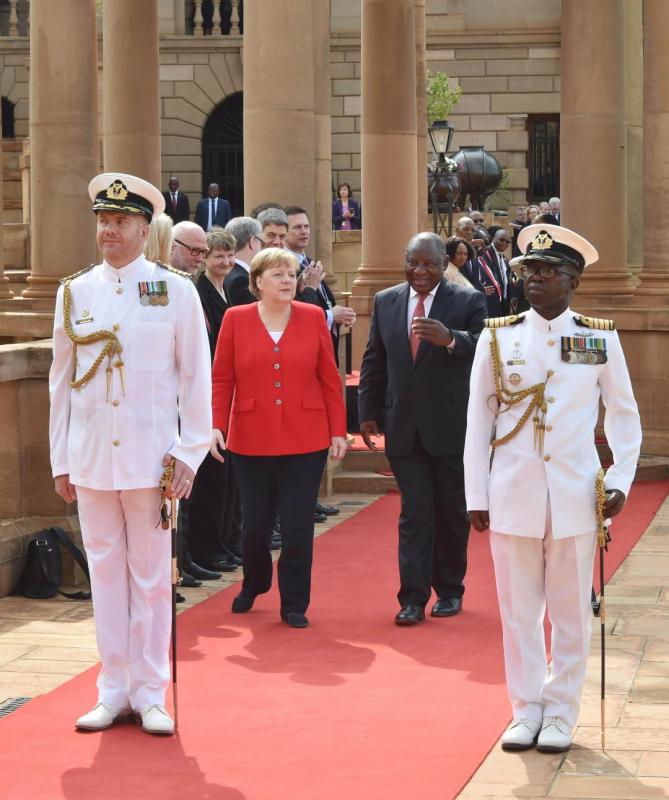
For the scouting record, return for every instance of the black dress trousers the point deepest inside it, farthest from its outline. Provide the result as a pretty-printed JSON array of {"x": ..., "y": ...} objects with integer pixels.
[
  {"x": 290, "y": 485},
  {"x": 433, "y": 527}
]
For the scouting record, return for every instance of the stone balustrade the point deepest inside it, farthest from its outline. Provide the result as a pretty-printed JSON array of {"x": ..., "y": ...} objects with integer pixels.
[
  {"x": 15, "y": 18},
  {"x": 215, "y": 17}
]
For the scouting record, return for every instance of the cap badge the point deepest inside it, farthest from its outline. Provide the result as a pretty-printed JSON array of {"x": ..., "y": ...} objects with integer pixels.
[
  {"x": 117, "y": 191},
  {"x": 543, "y": 241}
]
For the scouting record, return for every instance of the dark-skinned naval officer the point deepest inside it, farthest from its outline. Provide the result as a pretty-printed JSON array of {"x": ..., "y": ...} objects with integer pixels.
[{"x": 536, "y": 386}]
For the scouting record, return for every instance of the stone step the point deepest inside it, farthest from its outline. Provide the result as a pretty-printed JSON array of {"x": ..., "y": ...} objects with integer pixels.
[
  {"x": 14, "y": 215},
  {"x": 11, "y": 152},
  {"x": 15, "y": 238},
  {"x": 18, "y": 280},
  {"x": 10, "y": 205},
  {"x": 365, "y": 461},
  {"x": 652, "y": 468},
  {"x": 362, "y": 483}
]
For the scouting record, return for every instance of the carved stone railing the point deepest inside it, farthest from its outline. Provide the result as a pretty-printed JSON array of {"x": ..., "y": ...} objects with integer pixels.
[
  {"x": 14, "y": 18},
  {"x": 215, "y": 17}
]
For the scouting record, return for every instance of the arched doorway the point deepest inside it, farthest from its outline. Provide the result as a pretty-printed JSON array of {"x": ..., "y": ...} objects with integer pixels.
[
  {"x": 223, "y": 152},
  {"x": 7, "y": 119}
]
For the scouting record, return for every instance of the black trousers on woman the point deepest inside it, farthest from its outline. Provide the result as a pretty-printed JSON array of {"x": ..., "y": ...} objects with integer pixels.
[{"x": 288, "y": 484}]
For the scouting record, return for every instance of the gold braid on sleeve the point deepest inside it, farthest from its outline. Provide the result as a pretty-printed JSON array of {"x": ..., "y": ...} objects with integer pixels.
[
  {"x": 112, "y": 347},
  {"x": 508, "y": 398}
]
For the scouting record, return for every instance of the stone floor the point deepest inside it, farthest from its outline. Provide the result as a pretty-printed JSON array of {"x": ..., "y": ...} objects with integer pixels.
[{"x": 44, "y": 643}]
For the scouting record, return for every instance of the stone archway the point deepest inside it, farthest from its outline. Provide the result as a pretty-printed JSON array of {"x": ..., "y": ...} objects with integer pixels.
[{"x": 223, "y": 151}]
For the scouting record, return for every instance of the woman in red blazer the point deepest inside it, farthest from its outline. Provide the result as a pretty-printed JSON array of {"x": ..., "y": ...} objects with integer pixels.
[{"x": 278, "y": 404}]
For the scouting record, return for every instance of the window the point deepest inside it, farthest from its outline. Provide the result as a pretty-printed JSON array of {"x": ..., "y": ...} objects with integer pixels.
[{"x": 543, "y": 157}]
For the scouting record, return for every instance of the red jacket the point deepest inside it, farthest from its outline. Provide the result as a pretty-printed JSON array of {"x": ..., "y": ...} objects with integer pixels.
[{"x": 286, "y": 398}]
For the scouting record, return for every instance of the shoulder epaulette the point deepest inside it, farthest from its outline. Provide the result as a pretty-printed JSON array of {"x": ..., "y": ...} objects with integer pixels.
[
  {"x": 77, "y": 274},
  {"x": 174, "y": 270},
  {"x": 504, "y": 322},
  {"x": 593, "y": 322}
]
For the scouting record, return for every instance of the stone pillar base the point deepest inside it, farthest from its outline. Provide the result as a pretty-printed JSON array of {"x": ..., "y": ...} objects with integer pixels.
[{"x": 42, "y": 286}]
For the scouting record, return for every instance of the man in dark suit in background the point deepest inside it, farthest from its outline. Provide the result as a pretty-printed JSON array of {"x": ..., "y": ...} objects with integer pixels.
[
  {"x": 176, "y": 203},
  {"x": 415, "y": 375},
  {"x": 236, "y": 285},
  {"x": 499, "y": 274},
  {"x": 212, "y": 211}
]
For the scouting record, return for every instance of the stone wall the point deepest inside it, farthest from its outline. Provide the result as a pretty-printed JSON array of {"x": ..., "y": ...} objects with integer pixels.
[{"x": 14, "y": 83}]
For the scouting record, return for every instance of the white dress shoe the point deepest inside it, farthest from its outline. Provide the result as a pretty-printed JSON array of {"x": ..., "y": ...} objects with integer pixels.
[
  {"x": 155, "y": 719},
  {"x": 103, "y": 716},
  {"x": 555, "y": 736},
  {"x": 521, "y": 734}
]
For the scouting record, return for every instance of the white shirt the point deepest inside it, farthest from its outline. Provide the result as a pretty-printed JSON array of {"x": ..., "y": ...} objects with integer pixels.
[
  {"x": 413, "y": 302},
  {"x": 167, "y": 372},
  {"x": 246, "y": 266},
  {"x": 213, "y": 205},
  {"x": 516, "y": 489}
]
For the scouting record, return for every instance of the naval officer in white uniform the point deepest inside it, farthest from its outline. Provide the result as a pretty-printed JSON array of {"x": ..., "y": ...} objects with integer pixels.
[
  {"x": 538, "y": 498},
  {"x": 131, "y": 359}
]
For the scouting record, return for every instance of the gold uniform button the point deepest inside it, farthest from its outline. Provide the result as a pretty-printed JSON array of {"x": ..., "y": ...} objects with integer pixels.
[
  {"x": 550, "y": 342},
  {"x": 551, "y": 399},
  {"x": 116, "y": 326},
  {"x": 115, "y": 403},
  {"x": 116, "y": 443},
  {"x": 547, "y": 458},
  {"x": 550, "y": 373},
  {"x": 549, "y": 428},
  {"x": 119, "y": 290}
]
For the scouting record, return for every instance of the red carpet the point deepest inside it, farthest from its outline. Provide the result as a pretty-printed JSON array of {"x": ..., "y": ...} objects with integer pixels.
[{"x": 353, "y": 708}]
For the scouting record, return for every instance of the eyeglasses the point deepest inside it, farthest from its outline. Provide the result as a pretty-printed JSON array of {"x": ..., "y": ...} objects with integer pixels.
[
  {"x": 262, "y": 243},
  {"x": 504, "y": 241},
  {"x": 194, "y": 251},
  {"x": 546, "y": 272}
]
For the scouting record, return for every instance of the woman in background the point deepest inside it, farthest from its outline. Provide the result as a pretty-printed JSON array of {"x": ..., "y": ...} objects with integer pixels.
[
  {"x": 459, "y": 253},
  {"x": 159, "y": 242},
  {"x": 346, "y": 211}
]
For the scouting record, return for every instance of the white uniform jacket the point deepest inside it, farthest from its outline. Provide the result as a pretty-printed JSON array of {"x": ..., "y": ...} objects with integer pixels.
[
  {"x": 515, "y": 490},
  {"x": 119, "y": 443}
]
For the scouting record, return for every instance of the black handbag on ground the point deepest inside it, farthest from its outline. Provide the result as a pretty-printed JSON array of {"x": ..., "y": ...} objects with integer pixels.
[{"x": 43, "y": 572}]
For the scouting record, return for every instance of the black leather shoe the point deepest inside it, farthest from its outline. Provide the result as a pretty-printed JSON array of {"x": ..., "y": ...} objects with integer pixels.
[
  {"x": 275, "y": 542},
  {"x": 320, "y": 517},
  {"x": 243, "y": 603},
  {"x": 180, "y": 598},
  {"x": 327, "y": 510},
  {"x": 202, "y": 574},
  {"x": 410, "y": 615},
  {"x": 222, "y": 566},
  {"x": 295, "y": 619},
  {"x": 188, "y": 581},
  {"x": 446, "y": 607},
  {"x": 236, "y": 560}
]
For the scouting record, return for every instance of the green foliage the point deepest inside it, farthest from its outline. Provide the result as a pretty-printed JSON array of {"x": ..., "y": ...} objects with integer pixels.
[
  {"x": 500, "y": 198},
  {"x": 440, "y": 97}
]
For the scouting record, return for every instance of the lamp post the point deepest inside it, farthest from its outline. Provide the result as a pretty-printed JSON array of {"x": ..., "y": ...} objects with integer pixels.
[{"x": 441, "y": 136}]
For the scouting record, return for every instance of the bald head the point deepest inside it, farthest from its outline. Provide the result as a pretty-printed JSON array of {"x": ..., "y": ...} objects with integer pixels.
[
  {"x": 465, "y": 229},
  {"x": 189, "y": 246}
]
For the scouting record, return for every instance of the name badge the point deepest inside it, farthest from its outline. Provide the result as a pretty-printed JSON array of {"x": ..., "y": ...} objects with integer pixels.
[{"x": 83, "y": 321}]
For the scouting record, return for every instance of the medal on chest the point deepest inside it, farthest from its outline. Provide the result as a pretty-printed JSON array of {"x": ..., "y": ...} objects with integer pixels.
[
  {"x": 583, "y": 350},
  {"x": 153, "y": 293}
]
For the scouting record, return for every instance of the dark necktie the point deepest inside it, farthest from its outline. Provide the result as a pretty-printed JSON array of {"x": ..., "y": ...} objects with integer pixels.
[{"x": 174, "y": 203}]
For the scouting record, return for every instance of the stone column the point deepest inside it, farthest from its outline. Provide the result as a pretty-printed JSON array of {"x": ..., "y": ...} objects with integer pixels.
[
  {"x": 131, "y": 89},
  {"x": 63, "y": 106},
  {"x": 634, "y": 81},
  {"x": 654, "y": 288},
  {"x": 389, "y": 177},
  {"x": 593, "y": 168},
  {"x": 279, "y": 124},
  {"x": 5, "y": 292},
  {"x": 515, "y": 142},
  {"x": 421, "y": 116},
  {"x": 321, "y": 224}
]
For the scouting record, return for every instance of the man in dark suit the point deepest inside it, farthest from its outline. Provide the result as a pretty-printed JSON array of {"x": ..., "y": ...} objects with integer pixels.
[
  {"x": 212, "y": 211},
  {"x": 498, "y": 274},
  {"x": 247, "y": 234},
  {"x": 415, "y": 376},
  {"x": 176, "y": 203}
]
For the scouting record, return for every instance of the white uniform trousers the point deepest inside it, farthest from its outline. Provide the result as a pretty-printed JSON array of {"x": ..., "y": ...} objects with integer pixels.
[
  {"x": 531, "y": 573},
  {"x": 129, "y": 557}
]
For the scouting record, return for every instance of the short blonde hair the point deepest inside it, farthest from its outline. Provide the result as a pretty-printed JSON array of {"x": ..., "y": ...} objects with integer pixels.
[
  {"x": 267, "y": 259},
  {"x": 220, "y": 239},
  {"x": 159, "y": 242}
]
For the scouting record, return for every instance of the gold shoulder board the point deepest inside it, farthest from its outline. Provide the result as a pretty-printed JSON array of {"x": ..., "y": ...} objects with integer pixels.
[
  {"x": 596, "y": 324},
  {"x": 504, "y": 322},
  {"x": 77, "y": 274},
  {"x": 174, "y": 270}
]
